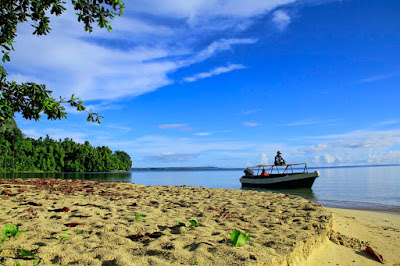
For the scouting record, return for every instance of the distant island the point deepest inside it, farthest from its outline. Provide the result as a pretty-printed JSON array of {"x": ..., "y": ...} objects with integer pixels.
[
  {"x": 189, "y": 168},
  {"x": 213, "y": 168}
]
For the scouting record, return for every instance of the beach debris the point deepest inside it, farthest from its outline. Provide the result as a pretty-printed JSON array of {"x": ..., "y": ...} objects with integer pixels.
[
  {"x": 64, "y": 209},
  {"x": 48, "y": 198},
  {"x": 80, "y": 216},
  {"x": 7, "y": 192},
  {"x": 26, "y": 254},
  {"x": 180, "y": 223},
  {"x": 135, "y": 237},
  {"x": 374, "y": 254},
  {"x": 239, "y": 239},
  {"x": 141, "y": 236},
  {"x": 31, "y": 212},
  {"x": 153, "y": 202},
  {"x": 212, "y": 209},
  {"x": 223, "y": 241},
  {"x": 33, "y": 203},
  {"x": 155, "y": 234},
  {"x": 73, "y": 224},
  {"x": 168, "y": 246},
  {"x": 227, "y": 215}
]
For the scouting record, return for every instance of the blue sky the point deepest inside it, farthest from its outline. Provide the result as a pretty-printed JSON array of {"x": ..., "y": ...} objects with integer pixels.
[{"x": 227, "y": 83}]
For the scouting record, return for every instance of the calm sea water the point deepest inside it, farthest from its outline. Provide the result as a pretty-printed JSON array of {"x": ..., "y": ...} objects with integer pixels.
[{"x": 373, "y": 188}]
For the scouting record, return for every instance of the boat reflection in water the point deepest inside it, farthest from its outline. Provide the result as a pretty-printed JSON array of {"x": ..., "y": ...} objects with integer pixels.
[{"x": 306, "y": 193}]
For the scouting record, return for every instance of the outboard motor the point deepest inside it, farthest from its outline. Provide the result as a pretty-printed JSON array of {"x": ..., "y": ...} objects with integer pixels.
[{"x": 248, "y": 172}]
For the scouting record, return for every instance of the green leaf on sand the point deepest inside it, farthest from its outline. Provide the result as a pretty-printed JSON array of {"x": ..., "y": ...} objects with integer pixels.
[
  {"x": 27, "y": 253},
  {"x": 239, "y": 239},
  {"x": 65, "y": 235},
  {"x": 193, "y": 222}
]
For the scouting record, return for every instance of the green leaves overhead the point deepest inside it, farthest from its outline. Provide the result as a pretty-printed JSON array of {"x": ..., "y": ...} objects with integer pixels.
[{"x": 33, "y": 99}]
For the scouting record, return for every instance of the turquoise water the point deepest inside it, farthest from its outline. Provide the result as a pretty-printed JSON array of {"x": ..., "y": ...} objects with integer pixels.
[{"x": 373, "y": 188}]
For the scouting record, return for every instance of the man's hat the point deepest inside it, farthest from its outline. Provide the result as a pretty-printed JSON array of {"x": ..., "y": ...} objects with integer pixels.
[{"x": 278, "y": 152}]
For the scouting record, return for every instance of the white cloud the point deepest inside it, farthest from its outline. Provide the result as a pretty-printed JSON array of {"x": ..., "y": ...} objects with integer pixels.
[
  {"x": 264, "y": 159},
  {"x": 214, "y": 72},
  {"x": 251, "y": 111},
  {"x": 378, "y": 77},
  {"x": 302, "y": 123},
  {"x": 281, "y": 19},
  {"x": 56, "y": 134},
  {"x": 140, "y": 53},
  {"x": 218, "y": 46},
  {"x": 20, "y": 78},
  {"x": 388, "y": 123},
  {"x": 174, "y": 126},
  {"x": 251, "y": 124},
  {"x": 171, "y": 157},
  {"x": 352, "y": 148},
  {"x": 312, "y": 122},
  {"x": 203, "y": 134},
  {"x": 162, "y": 144},
  {"x": 200, "y": 10},
  {"x": 390, "y": 157}
]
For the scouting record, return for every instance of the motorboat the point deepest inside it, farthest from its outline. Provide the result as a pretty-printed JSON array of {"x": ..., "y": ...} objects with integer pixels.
[{"x": 279, "y": 176}]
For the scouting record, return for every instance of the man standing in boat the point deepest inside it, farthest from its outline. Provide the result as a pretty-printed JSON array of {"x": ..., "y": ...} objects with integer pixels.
[{"x": 278, "y": 159}]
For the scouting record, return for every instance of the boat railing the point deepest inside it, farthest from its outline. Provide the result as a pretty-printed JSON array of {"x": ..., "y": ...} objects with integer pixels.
[{"x": 270, "y": 168}]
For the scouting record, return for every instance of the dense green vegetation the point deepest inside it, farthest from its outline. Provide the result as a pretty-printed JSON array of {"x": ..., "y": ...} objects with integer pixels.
[{"x": 20, "y": 154}]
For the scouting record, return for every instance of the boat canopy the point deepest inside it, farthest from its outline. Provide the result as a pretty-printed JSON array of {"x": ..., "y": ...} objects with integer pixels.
[
  {"x": 288, "y": 167},
  {"x": 271, "y": 165}
]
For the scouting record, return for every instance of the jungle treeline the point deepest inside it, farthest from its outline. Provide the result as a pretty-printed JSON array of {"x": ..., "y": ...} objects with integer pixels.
[{"x": 21, "y": 154}]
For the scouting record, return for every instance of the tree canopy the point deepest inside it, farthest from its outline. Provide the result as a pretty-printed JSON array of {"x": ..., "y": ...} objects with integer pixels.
[
  {"x": 33, "y": 99},
  {"x": 20, "y": 154}
]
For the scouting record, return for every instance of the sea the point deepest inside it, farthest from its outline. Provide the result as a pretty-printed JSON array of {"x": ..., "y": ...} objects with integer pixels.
[{"x": 375, "y": 188}]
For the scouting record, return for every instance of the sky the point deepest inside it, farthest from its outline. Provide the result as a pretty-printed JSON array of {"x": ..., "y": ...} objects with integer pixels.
[{"x": 226, "y": 83}]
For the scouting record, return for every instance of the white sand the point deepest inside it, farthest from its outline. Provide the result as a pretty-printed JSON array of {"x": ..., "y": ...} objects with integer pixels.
[{"x": 284, "y": 229}]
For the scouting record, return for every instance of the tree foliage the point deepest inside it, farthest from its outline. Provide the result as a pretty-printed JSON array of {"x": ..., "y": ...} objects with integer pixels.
[
  {"x": 33, "y": 99},
  {"x": 20, "y": 154}
]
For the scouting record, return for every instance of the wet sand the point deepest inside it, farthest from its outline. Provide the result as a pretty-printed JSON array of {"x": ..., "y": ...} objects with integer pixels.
[
  {"x": 381, "y": 231},
  {"x": 114, "y": 223}
]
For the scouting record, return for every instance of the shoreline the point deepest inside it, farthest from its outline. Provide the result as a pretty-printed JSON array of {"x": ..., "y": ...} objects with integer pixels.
[
  {"x": 124, "y": 223},
  {"x": 381, "y": 231},
  {"x": 393, "y": 210}
]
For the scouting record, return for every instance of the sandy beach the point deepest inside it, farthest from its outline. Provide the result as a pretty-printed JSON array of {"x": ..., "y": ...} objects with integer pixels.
[{"x": 114, "y": 223}]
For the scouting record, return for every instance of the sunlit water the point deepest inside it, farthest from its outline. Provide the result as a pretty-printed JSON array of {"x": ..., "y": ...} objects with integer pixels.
[{"x": 374, "y": 188}]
